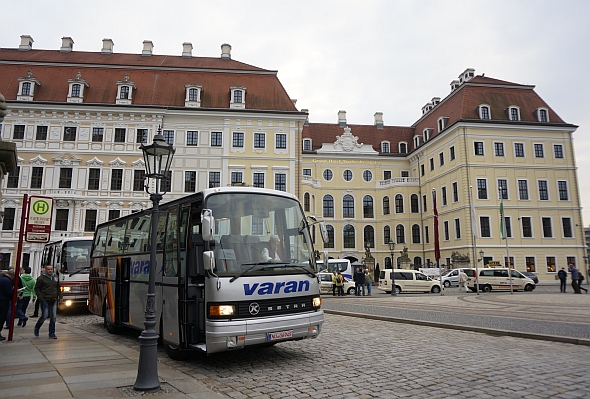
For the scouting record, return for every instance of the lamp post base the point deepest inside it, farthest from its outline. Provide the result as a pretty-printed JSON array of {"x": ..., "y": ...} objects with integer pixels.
[{"x": 147, "y": 370}]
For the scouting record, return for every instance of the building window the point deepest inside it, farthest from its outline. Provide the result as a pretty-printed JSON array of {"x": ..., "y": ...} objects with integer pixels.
[
  {"x": 417, "y": 141},
  {"x": 120, "y": 135},
  {"x": 168, "y": 136},
  {"x": 385, "y": 147},
  {"x": 349, "y": 239},
  {"x": 426, "y": 134},
  {"x": 69, "y": 134},
  {"x": 65, "y": 178},
  {"x": 348, "y": 206},
  {"x": 386, "y": 210},
  {"x": 36, "y": 177},
  {"x": 503, "y": 188},
  {"x": 166, "y": 184},
  {"x": 484, "y": 112},
  {"x": 386, "y": 235},
  {"x": 543, "y": 190},
  {"x": 458, "y": 229},
  {"x": 514, "y": 114},
  {"x": 558, "y": 150},
  {"x": 424, "y": 207},
  {"x": 527, "y": 227},
  {"x": 415, "y": 234},
  {"x": 306, "y": 202},
  {"x": 12, "y": 181},
  {"x": 114, "y": 214},
  {"x": 566, "y": 223},
  {"x": 116, "y": 179},
  {"x": 551, "y": 268},
  {"x": 347, "y": 175},
  {"x": 41, "y": 133},
  {"x": 141, "y": 136},
  {"x": 367, "y": 176},
  {"x": 190, "y": 181},
  {"x": 452, "y": 153},
  {"x": 422, "y": 173},
  {"x": 399, "y": 203},
  {"x": 216, "y": 139},
  {"x": 499, "y": 149},
  {"x": 400, "y": 234},
  {"x": 61, "y": 219},
  {"x": 193, "y": 94},
  {"x": 214, "y": 179},
  {"x": 124, "y": 93},
  {"x": 444, "y": 195},
  {"x": 431, "y": 160},
  {"x": 484, "y": 224},
  {"x": 368, "y": 206},
  {"x": 519, "y": 150},
  {"x": 455, "y": 192},
  {"x": 328, "y": 207},
  {"x": 562, "y": 187},
  {"x": 236, "y": 178},
  {"x": 386, "y": 174},
  {"x": 75, "y": 90},
  {"x": 237, "y": 96},
  {"x": 93, "y": 178},
  {"x": 426, "y": 235},
  {"x": 9, "y": 218},
  {"x": 90, "y": 221},
  {"x": 414, "y": 206},
  {"x": 281, "y": 182},
  {"x": 523, "y": 190},
  {"x": 543, "y": 115},
  {"x": 138, "y": 180},
  {"x": 530, "y": 264},
  {"x": 369, "y": 236},
  {"x": 192, "y": 137},
  {"x": 259, "y": 140},
  {"x": 446, "y": 234},
  {"x": 258, "y": 180},
  {"x": 478, "y": 147},
  {"x": 482, "y": 189},
  {"x": 306, "y": 172},
  {"x": 307, "y": 145},
  {"x": 238, "y": 139},
  {"x": 539, "y": 152},
  {"x": 330, "y": 242},
  {"x": 281, "y": 141},
  {"x": 18, "y": 132},
  {"x": 508, "y": 226},
  {"x": 441, "y": 124},
  {"x": 547, "y": 230},
  {"x": 26, "y": 89},
  {"x": 405, "y": 173},
  {"x": 441, "y": 159},
  {"x": 97, "y": 134},
  {"x": 328, "y": 175}
]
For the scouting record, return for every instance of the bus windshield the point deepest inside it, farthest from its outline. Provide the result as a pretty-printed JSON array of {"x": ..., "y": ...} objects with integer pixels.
[
  {"x": 76, "y": 256},
  {"x": 260, "y": 233}
]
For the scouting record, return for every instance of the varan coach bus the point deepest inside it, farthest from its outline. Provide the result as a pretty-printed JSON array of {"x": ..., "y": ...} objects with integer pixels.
[{"x": 214, "y": 289}]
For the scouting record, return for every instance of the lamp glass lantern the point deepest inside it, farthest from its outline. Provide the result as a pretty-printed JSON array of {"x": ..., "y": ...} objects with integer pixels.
[{"x": 158, "y": 157}]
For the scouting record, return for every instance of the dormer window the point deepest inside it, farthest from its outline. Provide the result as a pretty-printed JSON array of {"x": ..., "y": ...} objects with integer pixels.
[
  {"x": 403, "y": 148},
  {"x": 426, "y": 133},
  {"x": 77, "y": 86},
  {"x": 484, "y": 111},
  {"x": 125, "y": 89},
  {"x": 442, "y": 123},
  {"x": 542, "y": 114},
  {"x": 385, "y": 147},
  {"x": 417, "y": 141},
  {"x": 237, "y": 97},
  {"x": 306, "y": 144},
  {"x": 27, "y": 87},
  {"x": 193, "y": 95},
  {"x": 513, "y": 113}
]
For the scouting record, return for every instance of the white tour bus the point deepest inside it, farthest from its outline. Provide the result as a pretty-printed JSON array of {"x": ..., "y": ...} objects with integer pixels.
[
  {"x": 70, "y": 258},
  {"x": 216, "y": 287}
]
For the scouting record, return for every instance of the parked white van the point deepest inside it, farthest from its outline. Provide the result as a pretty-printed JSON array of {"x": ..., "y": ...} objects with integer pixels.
[
  {"x": 407, "y": 281},
  {"x": 496, "y": 279}
]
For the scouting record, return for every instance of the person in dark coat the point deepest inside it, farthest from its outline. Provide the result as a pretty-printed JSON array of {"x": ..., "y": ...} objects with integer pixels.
[
  {"x": 562, "y": 274},
  {"x": 48, "y": 293},
  {"x": 6, "y": 290},
  {"x": 359, "y": 281}
]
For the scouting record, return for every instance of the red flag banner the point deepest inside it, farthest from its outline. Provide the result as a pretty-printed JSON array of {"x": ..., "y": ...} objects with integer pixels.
[{"x": 436, "y": 244}]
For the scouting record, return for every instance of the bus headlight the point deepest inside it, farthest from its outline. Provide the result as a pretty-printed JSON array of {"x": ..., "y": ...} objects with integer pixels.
[
  {"x": 317, "y": 302},
  {"x": 66, "y": 289},
  {"x": 222, "y": 310},
  {"x": 68, "y": 303}
]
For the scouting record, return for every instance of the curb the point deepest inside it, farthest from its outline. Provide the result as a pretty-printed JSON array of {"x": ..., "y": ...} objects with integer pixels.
[{"x": 484, "y": 330}]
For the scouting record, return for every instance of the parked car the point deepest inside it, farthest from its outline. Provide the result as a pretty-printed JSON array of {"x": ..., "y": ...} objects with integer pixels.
[
  {"x": 497, "y": 279},
  {"x": 532, "y": 276},
  {"x": 326, "y": 284},
  {"x": 407, "y": 281},
  {"x": 451, "y": 278}
]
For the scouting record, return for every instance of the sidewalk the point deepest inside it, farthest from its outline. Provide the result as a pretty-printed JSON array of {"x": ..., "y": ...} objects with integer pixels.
[{"x": 80, "y": 364}]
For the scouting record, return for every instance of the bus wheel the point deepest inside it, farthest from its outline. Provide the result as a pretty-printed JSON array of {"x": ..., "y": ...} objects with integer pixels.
[
  {"x": 110, "y": 327},
  {"x": 176, "y": 354}
]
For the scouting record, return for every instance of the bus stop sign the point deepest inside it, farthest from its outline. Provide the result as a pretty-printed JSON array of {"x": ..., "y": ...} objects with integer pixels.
[{"x": 40, "y": 211}]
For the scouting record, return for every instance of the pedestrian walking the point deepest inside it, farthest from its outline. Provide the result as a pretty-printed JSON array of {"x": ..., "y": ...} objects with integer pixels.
[
  {"x": 369, "y": 282},
  {"x": 562, "y": 274},
  {"x": 463, "y": 281},
  {"x": 340, "y": 284},
  {"x": 575, "y": 277},
  {"x": 49, "y": 294},
  {"x": 359, "y": 282},
  {"x": 37, "y": 303},
  {"x": 580, "y": 281},
  {"x": 6, "y": 290},
  {"x": 22, "y": 302}
]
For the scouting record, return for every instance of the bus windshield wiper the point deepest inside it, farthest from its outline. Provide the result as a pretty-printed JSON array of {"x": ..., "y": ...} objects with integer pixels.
[
  {"x": 78, "y": 271},
  {"x": 252, "y": 266}
]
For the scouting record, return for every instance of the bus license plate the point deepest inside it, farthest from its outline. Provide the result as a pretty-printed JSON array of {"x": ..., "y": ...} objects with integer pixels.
[{"x": 280, "y": 335}]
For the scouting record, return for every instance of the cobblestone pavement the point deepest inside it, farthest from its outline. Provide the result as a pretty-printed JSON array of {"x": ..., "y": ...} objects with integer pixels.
[{"x": 361, "y": 358}]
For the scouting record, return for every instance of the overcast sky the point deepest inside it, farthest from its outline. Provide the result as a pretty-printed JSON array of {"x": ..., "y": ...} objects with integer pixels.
[{"x": 358, "y": 56}]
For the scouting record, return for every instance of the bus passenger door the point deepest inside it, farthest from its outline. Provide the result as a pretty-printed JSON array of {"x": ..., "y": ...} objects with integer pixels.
[
  {"x": 122, "y": 291},
  {"x": 171, "y": 281}
]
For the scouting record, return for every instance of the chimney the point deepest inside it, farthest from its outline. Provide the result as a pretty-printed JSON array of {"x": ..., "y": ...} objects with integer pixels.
[
  {"x": 306, "y": 123},
  {"x": 342, "y": 118},
  {"x": 454, "y": 84},
  {"x": 294, "y": 101},
  {"x": 187, "y": 50},
  {"x": 148, "y": 47},
  {"x": 467, "y": 74},
  {"x": 225, "y": 51},
  {"x": 435, "y": 101},
  {"x": 26, "y": 43},
  {"x": 107, "y": 46},
  {"x": 378, "y": 120},
  {"x": 67, "y": 44}
]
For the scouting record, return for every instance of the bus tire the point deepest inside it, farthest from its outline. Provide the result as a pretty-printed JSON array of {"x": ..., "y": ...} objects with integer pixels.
[
  {"x": 110, "y": 327},
  {"x": 175, "y": 353}
]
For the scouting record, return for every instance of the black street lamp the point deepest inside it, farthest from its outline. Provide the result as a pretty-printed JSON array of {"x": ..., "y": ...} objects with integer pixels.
[
  {"x": 391, "y": 249},
  {"x": 158, "y": 157}
]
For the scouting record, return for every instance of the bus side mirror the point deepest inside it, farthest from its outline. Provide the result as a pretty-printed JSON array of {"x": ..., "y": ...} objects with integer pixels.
[
  {"x": 324, "y": 232},
  {"x": 207, "y": 224},
  {"x": 209, "y": 260}
]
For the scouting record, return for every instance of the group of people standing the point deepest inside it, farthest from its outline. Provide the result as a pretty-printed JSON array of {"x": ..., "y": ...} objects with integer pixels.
[
  {"x": 44, "y": 291},
  {"x": 362, "y": 280},
  {"x": 576, "y": 276}
]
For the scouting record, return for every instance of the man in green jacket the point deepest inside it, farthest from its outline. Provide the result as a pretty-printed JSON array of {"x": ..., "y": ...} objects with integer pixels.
[
  {"x": 49, "y": 293},
  {"x": 22, "y": 301}
]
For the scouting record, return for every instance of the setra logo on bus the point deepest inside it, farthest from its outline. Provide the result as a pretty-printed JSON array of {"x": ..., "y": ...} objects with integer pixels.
[{"x": 275, "y": 288}]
